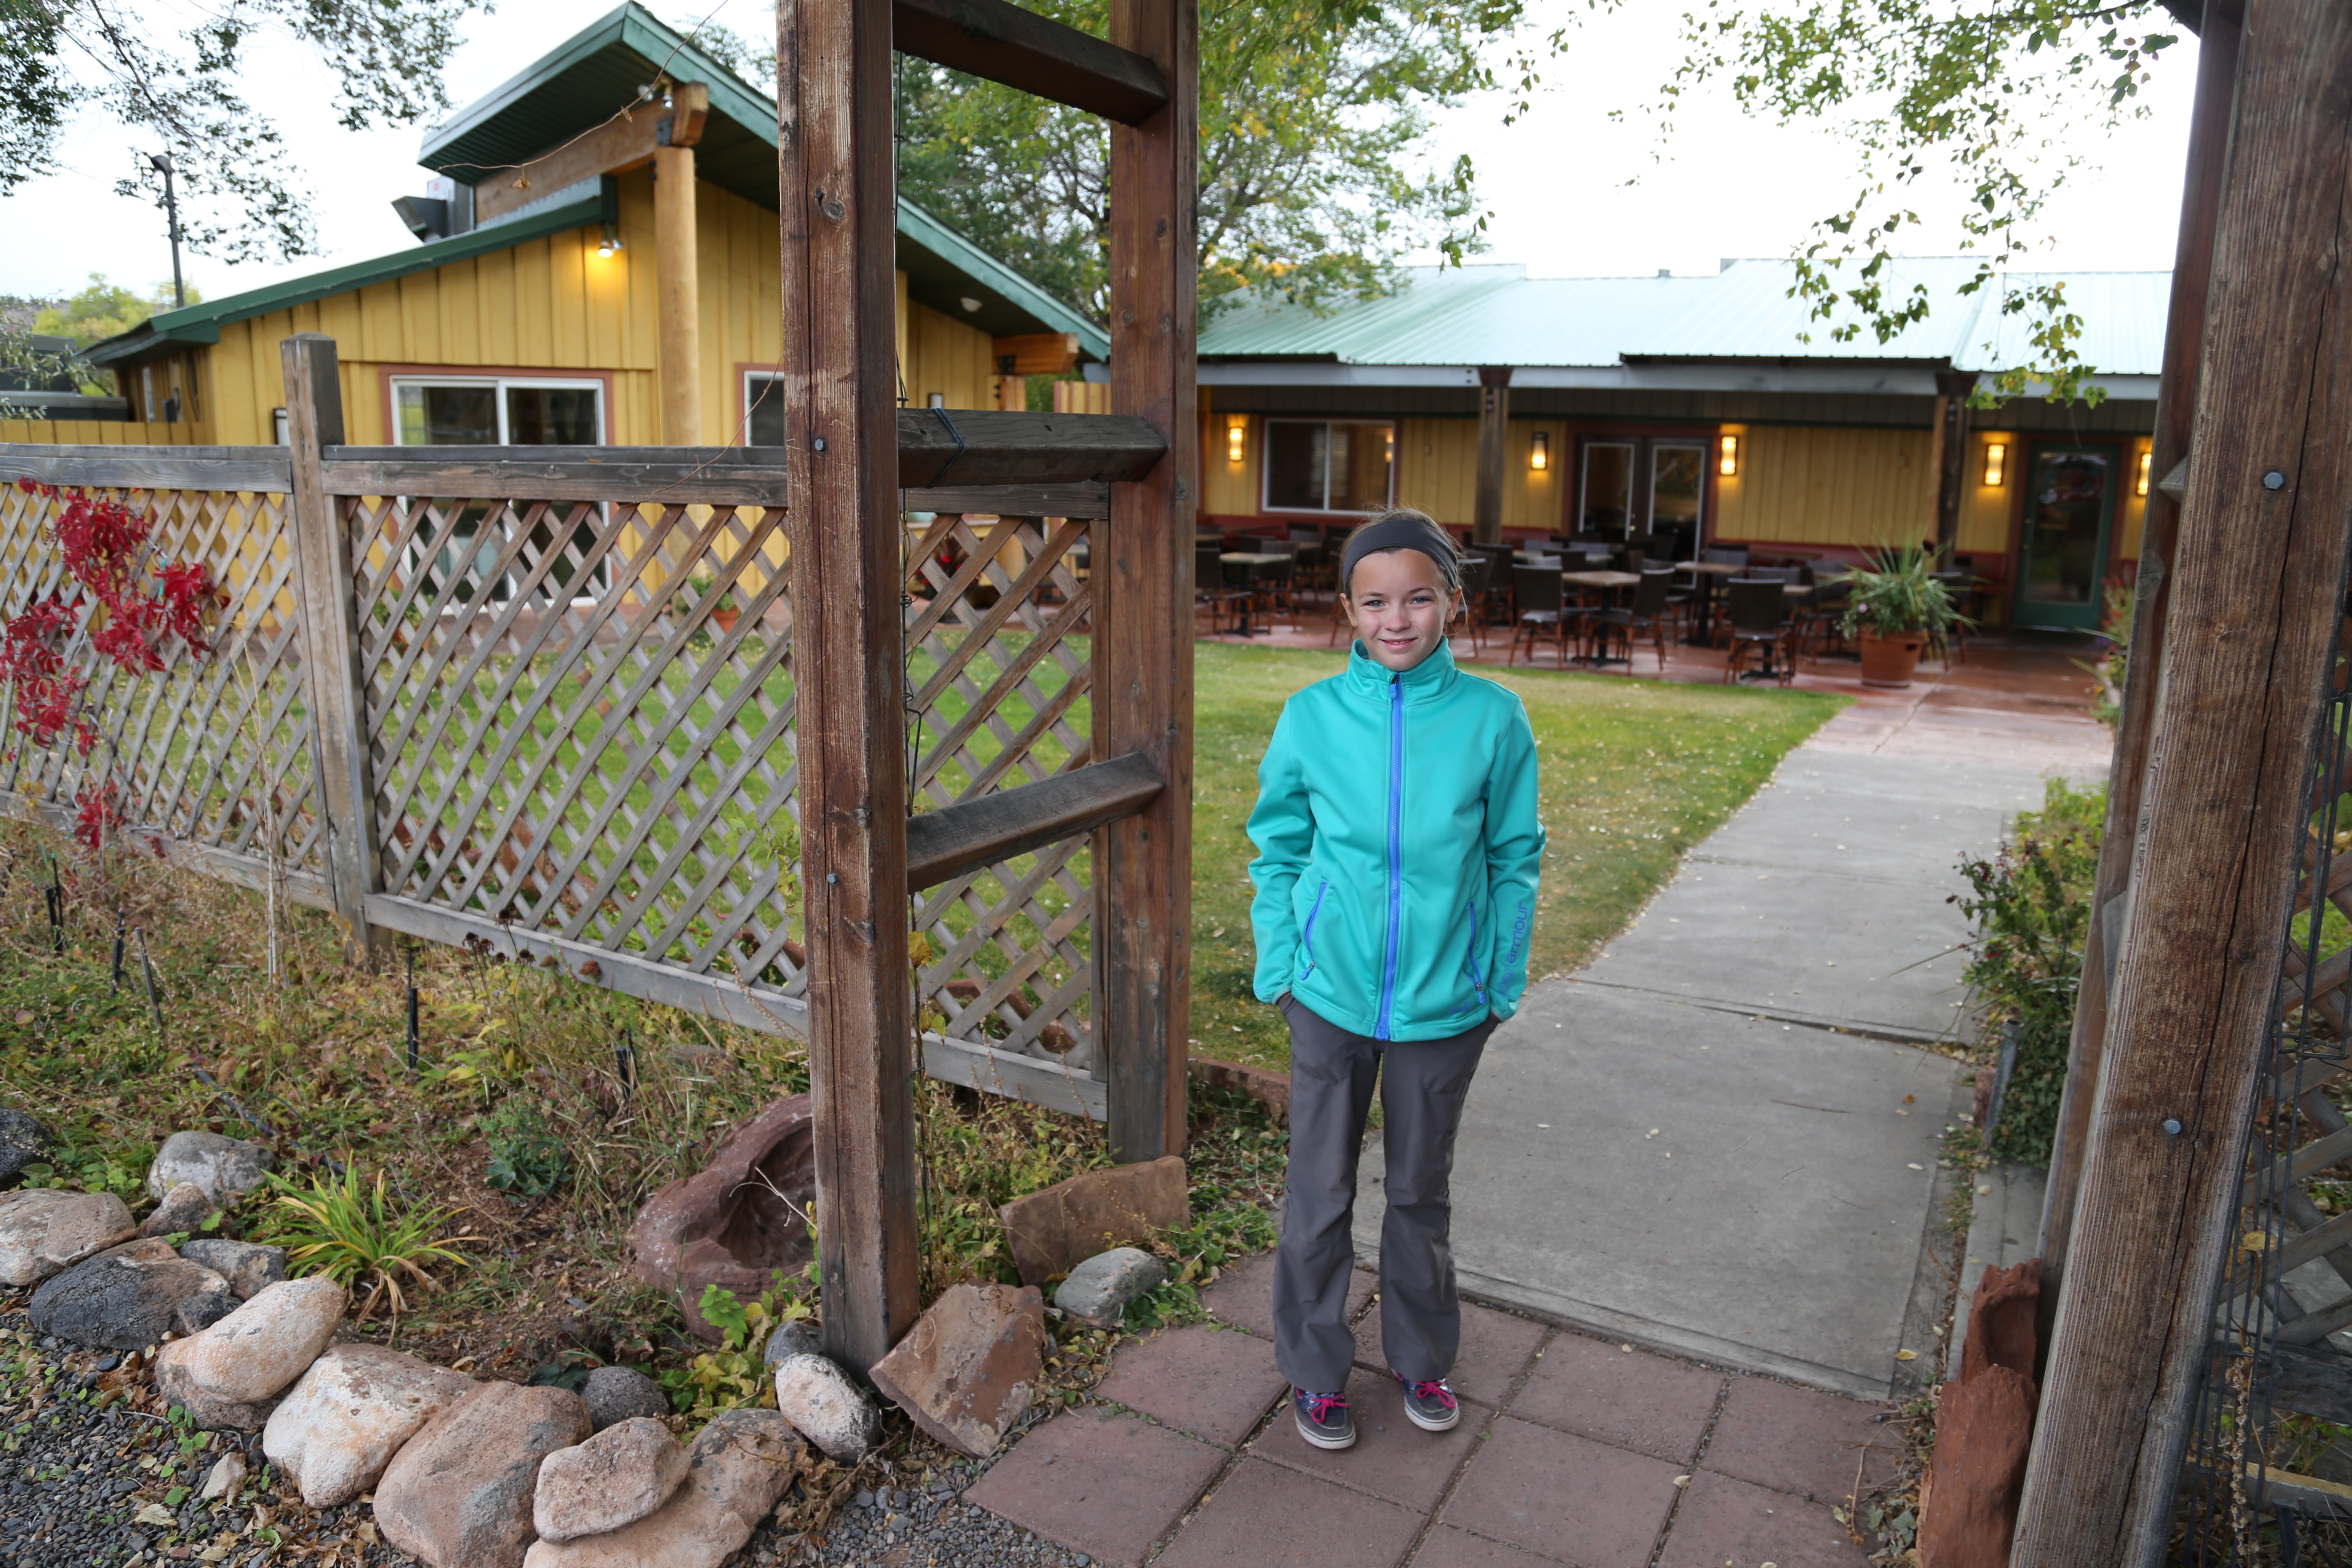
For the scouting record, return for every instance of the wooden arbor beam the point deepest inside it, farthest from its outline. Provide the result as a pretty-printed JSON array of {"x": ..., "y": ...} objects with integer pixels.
[
  {"x": 2259, "y": 570},
  {"x": 836, "y": 222},
  {"x": 998, "y": 825},
  {"x": 628, "y": 140},
  {"x": 1003, "y": 42},
  {"x": 1143, "y": 576}
]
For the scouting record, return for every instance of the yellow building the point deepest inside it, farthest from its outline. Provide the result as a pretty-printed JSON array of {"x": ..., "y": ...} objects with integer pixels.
[{"x": 597, "y": 312}]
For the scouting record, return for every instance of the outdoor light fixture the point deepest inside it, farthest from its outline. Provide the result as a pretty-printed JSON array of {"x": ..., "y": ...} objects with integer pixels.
[
  {"x": 610, "y": 244},
  {"x": 1540, "y": 450},
  {"x": 1996, "y": 463},
  {"x": 2147, "y": 456},
  {"x": 1727, "y": 462},
  {"x": 1236, "y": 435}
]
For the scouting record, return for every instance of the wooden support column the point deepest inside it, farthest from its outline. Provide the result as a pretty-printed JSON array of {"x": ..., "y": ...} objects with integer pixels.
[
  {"x": 2175, "y": 407},
  {"x": 2257, "y": 599},
  {"x": 677, "y": 292},
  {"x": 837, "y": 222},
  {"x": 1952, "y": 390},
  {"x": 1143, "y": 580},
  {"x": 1494, "y": 449},
  {"x": 322, "y": 578}
]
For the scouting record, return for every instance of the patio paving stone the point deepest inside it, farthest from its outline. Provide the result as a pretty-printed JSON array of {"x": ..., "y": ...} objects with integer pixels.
[
  {"x": 1799, "y": 1440},
  {"x": 1392, "y": 1457},
  {"x": 1105, "y": 1485},
  {"x": 1594, "y": 1506},
  {"x": 1213, "y": 1383},
  {"x": 1724, "y": 1520},
  {"x": 1636, "y": 1401},
  {"x": 1243, "y": 1296},
  {"x": 1495, "y": 1348},
  {"x": 1268, "y": 1517},
  {"x": 1451, "y": 1547}
]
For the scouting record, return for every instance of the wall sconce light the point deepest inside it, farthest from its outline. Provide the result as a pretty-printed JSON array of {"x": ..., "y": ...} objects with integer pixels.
[
  {"x": 1540, "y": 450},
  {"x": 1727, "y": 461},
  {"x": 610, "y": 244},
  {"x": 1391, "y": 453},
  {"x": 1996, "y": 469},
  {"x": 2146, "y": 457},
  {"x": 1236, "y": 436}
]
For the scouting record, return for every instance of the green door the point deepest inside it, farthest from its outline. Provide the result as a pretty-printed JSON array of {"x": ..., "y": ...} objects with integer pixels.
[{"x": 2070, "y": 510}]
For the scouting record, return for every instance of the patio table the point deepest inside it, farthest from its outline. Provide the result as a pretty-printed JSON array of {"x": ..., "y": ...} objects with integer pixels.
[
  {"x": 1706, "y": 572},
  {"x": 1605, "y": 582},
  {"x": 1252, "y": 559}
]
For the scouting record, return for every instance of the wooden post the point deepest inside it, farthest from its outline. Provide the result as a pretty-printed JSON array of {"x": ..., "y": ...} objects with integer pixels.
[
  {"x": 1143, "y": 627},
  {"x": 677, "y": 290},
  {"x": 322, "y": 577},
  {"x": 1494, "y": 448},
  {"x": 2257, "y": 597},
  {"x": 1952, "y": 390},
  {"x": 2175, "y": 407},
  {"x": 837, "y": 222}
]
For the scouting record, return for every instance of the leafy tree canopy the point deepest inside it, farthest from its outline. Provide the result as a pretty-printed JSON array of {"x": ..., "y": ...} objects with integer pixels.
[
  {"x": 174, "y": 77},
  {"x": 103, "y": 310}
]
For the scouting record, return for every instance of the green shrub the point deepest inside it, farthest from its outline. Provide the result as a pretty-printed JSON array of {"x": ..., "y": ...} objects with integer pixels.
[
  {"x": 2031, "y": 905},
  {"x": 527, "y": 1160}
]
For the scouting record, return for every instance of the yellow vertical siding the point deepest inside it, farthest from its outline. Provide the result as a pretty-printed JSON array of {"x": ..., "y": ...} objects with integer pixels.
[
  {"x": 1805, "y": 484},
  {"x": 1227, "y": 489},
  {"x": 1437, "y": 468}
]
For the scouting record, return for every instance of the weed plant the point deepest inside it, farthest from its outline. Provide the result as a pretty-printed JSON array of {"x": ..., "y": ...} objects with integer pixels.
[{"x": 342, "y": 1227}]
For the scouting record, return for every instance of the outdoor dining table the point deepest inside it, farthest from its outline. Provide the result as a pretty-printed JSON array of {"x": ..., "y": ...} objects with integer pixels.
[
  {"x": 1252, "y": 559},
  {"x": 1706, "y": 572},
  {"x": 1606, "y": 581}
]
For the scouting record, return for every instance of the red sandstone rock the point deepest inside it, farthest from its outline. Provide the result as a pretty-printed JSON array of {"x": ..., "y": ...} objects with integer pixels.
[
  {"x": 1053, "y": 1231},
  {"x": 1269, "y": 1088},
  {"x": 729, "y": 1223},
  {"x": 2002, "y": 1321},
  {"x": 967, "y": 1371},
  {"x": 1983, "y": 1424}
]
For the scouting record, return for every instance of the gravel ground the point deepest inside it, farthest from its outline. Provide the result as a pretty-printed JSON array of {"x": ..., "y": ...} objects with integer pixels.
[{"x": 79, "y": 1470}]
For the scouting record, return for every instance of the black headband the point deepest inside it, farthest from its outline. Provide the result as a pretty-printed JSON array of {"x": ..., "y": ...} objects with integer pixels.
[{"x": 1409, "y": 532}]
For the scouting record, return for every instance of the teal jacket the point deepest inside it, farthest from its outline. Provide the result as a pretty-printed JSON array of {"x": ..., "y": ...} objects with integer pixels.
[{"x": 1397, "y": 850}]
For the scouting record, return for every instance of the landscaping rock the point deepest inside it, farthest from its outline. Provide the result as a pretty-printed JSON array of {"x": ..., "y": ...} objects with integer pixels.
[
  {"x": 826, "y": 1407},
  {"x": 225, "y": 1168},
  {"x": 130, "y": 1296},
  {"x": 259, "y": 1349},
  {"x": 459, "y": 1495},
  {"x": 617, "y": 1394},
  {"x": 44, "y": 1231},
  {"x": 1269, "y": 1088},
  {"x": 224, "y": 1478},
  {"x": 206, "y": 1412},
  {"x": 24, "y": 1141},
  {"x": 1984, "y": 1426},
  {"x": 1098, "y": 1290},
  {"x": 802, "y": 1336},
  {"x": 736, "y": 1470},
  {"x": 723, "y": 1226},
  {"x": 616, "y": 1477},
  {"x": 1053, "y": 1231},
  {"x": 966, "y": 1371},
  {"x": 247, "y": 1266},
  {"x": 344, "y": 1419},
  {"x": 182, "y": 1208}
]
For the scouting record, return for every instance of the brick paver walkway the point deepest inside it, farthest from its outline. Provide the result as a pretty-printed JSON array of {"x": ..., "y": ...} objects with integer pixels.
[{"x": 1571, "y": 1450}]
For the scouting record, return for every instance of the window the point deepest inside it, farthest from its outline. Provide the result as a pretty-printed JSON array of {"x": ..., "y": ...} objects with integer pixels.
[
  {"x": 1608, "y": 504},
  {"x": 1642, "y": 486},
  {"x": 1328, "y": 465},
  {"x": 500, "y": 411},
  {"x": 763, "y": 408}
]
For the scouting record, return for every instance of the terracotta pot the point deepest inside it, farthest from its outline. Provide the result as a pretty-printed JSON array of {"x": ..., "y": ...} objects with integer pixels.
[
  {"x": 1890, "y": 660},
  {"x": 726, "y": 620}
]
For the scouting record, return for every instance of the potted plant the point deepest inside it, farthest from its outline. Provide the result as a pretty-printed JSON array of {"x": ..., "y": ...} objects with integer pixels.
[
  {"x": 1897, "y": 605},
  {"x": 725, "y": 613}
]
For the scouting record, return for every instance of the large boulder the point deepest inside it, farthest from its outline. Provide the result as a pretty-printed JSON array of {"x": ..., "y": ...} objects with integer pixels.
[
  {"x": 206, "y": 1412},
  {"x": 616, "y": 1477},
  {"x": 617, "y": 1394},
  {"x": 225, "y": 1168},
  {"x": 259, "y": 1349},
  {"x": 24, "y": 1141},
  {"x": 344, "y": 1419},
  {"x": 44, "y": 1231},
  {"x": 825, "y": 1406},
  {"x": 1052, "y": 1231},
  {"x": 968, "y": 1369},
  {"x": 130, "y": 1296},
  {"x": 732, "y": 1223},
  {"x": 459, "y": 1494},
  {"x": 738, "y": 1467},
  {"x": 247, "y": 1266}
]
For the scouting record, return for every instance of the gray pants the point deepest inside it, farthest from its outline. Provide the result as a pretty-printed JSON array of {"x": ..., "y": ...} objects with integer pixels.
[{"x": 1421, "y": 1091}]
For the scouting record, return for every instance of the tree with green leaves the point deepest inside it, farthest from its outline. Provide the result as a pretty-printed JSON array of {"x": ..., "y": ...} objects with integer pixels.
[
  {"x": 103, "y": 310},
  {"x": 173, "y": 80}
]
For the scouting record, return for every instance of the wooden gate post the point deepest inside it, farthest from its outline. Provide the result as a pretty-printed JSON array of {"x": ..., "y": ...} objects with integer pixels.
[
  {"x": 1494, "y": 454},
  {"x": 838, "y": 223},
  {"x": 323, "y": 579},
  {"x": 2259, "y": 573},
  {"x": 1143, "y": 612}
]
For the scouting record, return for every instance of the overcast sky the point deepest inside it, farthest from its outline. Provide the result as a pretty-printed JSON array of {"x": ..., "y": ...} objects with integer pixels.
[{"x": 1556, "y": 182}]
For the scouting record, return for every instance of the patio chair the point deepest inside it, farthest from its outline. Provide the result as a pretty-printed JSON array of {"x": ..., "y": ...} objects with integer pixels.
[
  {"x": 1317, "y": 566},
  {"x": 1210, "y": 590},
  {"x": 1646, "y": 614},
  {"x": 1821, "y": 624},
  {"x": 1759, "y": 611},
  {"x": 1951, "y": 644},
  {"x": 1537, "y": 589},
  {"x": 1476, "y": 571},
  {"x": 1494, "y": 603},
  {"x": 1273, "y": 588}
]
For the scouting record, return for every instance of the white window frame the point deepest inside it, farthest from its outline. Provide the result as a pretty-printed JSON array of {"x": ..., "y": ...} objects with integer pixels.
[
  {"x": 1658, "y": 444},
  {"x": 602, "y": 577},
  {"x": 1265, "y": 466}
]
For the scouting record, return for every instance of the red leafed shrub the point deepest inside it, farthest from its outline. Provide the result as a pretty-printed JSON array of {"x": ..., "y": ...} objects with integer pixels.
[{"x": 97, "y": 811}]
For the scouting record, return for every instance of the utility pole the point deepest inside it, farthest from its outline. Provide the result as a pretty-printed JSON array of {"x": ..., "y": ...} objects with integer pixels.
[{"x": 161, "y": 162}]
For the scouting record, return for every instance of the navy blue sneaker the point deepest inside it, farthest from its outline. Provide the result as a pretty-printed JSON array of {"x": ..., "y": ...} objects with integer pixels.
[
  {"x": 1429, "y": 1405},
  {"x": 1323, "y": 1418}
]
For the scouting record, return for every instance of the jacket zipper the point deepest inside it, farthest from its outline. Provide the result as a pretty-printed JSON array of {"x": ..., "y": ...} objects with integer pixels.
[
  {"x": 1396, "y": 857},
  {"x": 1470, "y": 959},
  {"x": 1307, "y": 932}
]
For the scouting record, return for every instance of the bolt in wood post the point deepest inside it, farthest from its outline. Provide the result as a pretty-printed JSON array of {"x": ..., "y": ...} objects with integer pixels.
[
  {"x": 2257, "y": 598},
  {"x": 1143, "y": 617},
  {"x": 329, "y": 630},
  {"x": 840, "y": 290}
]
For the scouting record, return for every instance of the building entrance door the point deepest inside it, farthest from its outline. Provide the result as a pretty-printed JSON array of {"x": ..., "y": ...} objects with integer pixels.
[{"x": 2070, "y": 514}]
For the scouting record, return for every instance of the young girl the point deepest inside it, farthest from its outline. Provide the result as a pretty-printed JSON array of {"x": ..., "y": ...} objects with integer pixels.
[{"x": 1398, "y": 847}]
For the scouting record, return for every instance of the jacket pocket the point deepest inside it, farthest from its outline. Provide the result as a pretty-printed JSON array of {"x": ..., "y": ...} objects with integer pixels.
[
  {"x": 1470, "y": 961},
  {"x": 1307, "y": 930}
]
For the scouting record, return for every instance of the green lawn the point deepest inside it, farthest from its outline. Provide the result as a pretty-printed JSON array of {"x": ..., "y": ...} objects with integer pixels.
[{"x": 1634, "y": 772}]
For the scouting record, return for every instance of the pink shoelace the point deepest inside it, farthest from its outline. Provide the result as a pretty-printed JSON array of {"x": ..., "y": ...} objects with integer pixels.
[
  {"x": 1319, "y": 1407},
  {"x": 1437, "y": 1390}
]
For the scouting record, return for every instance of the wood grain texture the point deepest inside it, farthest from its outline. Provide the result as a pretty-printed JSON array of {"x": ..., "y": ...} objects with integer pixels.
[
  {"x": 1003, "y": 448},
  {"x": 2256, "y": 598},
  {"x": 678, "y": 296},
  {"x": 231, "y": 469},
  {"x": 717, "y": 475},
  {"x": 999, "y": 826},
  {"x": 1003, "y": 42},
  {"x": 1014, "y": 500},
  {"x": 837, "y": 223},
  {"x": 1493, "y": 447},
  {"x": 2176, "y": 409},
  {"x": 1142, "y": 577},
  {"x": 628, "y": 142}
]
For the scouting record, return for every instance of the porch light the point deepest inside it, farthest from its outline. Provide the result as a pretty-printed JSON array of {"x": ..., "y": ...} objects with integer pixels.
[
  {"x": 1236, "y": 436},
  {"x": 1540, "y": 450},
  {"x": 2139, "y": 484},
  {"x": 610, "y": 244},
  {"x": 1996, "y": 469},
  {"x": 1727, "y": 460}
]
